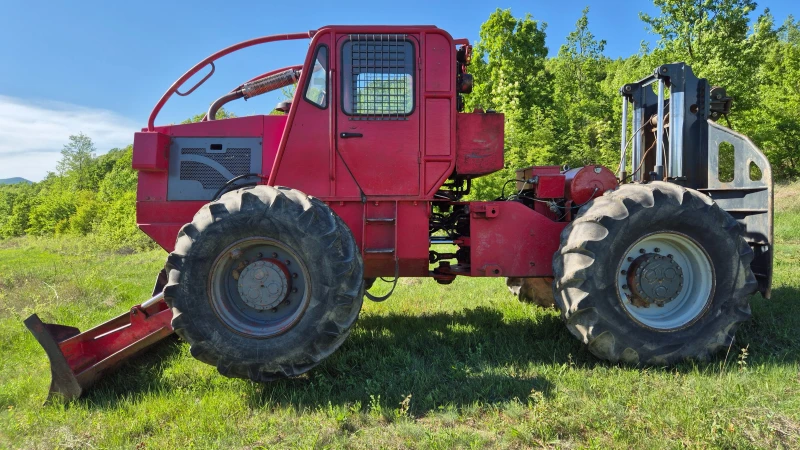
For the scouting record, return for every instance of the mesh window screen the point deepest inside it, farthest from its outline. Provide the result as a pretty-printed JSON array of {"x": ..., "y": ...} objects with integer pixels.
[{"x": 378, "y": 77}]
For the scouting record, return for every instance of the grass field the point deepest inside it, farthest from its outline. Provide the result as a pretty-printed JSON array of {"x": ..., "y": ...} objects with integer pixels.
[{"x": 462, "y": 366}]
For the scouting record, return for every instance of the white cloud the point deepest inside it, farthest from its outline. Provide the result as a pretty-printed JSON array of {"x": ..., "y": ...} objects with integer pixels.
[{"x": 32, "y": 133}]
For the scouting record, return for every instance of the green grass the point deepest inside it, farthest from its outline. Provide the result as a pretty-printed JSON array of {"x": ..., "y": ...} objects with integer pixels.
[{"x": 462, "y": 366}]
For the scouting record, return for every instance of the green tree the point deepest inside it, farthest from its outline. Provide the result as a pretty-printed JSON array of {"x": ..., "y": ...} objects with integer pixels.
[
  {"x": 222, "y": 113},
  {"x": 775, "y": 125},
  {"x": 715, "y": 38},
  {"x": 584, "y": 112},
  {"x": 77, "y": 160},
  {"x": 510, "y": 77}
]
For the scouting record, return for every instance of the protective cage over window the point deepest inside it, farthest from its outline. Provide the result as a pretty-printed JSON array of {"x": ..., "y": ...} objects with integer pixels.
[{"x": 378, "y": 81}]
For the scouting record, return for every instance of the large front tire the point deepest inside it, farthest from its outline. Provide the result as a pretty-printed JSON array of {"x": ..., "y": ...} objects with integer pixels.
[
  {"x": 653, "y": 273},
  {"x": 264, "y": 283}
]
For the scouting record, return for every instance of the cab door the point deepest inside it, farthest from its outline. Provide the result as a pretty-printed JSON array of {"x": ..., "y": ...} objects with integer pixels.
[{"x": 377, "y": 118}]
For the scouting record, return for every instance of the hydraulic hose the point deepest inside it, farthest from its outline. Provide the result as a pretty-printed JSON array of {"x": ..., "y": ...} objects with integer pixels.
[{"x": 254, "y": 88}]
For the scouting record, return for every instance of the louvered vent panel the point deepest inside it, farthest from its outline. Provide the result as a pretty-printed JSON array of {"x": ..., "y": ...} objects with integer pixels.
[{"x": 199, "y": 167}]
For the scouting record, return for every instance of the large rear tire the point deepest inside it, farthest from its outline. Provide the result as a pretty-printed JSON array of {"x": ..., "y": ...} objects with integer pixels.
[
  {"x": 653, "y": 273},
  {"x": 264, "y": 283}
]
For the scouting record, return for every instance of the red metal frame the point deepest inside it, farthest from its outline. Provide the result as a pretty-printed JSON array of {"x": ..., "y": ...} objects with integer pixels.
[
  {"x": 78, "y": 359},
  {"x": 209, "y": 60}
]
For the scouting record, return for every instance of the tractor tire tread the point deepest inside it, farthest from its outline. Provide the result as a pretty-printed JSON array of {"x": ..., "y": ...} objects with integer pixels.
[
  {"x": 578, "y": 287},
  {"x": 285, "y": 209}
]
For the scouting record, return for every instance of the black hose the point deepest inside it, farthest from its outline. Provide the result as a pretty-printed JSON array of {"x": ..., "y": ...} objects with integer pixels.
[
  {"x": 212, "y": 110},
  {"x": 233, "y": 180}
]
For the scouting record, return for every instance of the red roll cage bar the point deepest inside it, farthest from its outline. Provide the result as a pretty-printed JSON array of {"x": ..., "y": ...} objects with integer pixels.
[{"x": 210, "y": 61}]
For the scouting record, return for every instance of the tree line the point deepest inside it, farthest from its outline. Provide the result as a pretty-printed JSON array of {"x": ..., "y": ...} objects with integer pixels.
[
  {"x": 87, "y": 194},
  {"x": 560, "y": 109},
  {"x": 566, "y": 109}
]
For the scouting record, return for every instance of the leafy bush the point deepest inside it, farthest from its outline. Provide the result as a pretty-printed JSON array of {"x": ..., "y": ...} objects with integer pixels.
[{"x": 117, "y": 225}]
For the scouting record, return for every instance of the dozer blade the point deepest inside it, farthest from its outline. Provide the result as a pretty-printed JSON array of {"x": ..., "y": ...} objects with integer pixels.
[{"x": 78, "y": 359}]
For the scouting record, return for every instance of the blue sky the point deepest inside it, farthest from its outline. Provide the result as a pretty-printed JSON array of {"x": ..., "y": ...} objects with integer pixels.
[{"x": 98, "y": 67}]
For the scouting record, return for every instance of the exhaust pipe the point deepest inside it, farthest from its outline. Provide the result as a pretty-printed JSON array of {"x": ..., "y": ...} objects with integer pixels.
[
  {"x": 254, "y": 88},
  {"x": 78, "y": 359}
]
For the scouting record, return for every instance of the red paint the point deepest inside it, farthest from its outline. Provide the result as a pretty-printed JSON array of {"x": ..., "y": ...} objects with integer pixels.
[
  {"x": 479, "y": 143},
  {"x": 78, "y": 359},
  {"x": 585, "y": 183},
  {"x": 513, "y": 239},
  {"x": 152, "y": 151},
  {"x": 546, "y": 181}
]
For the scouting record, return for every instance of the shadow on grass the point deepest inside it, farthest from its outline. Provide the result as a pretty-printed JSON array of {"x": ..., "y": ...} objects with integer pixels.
[
  {"x": 138, "y": 375},
  {"x": 456, "y": 359},
  {"x": 459, "y": 359},
  {"x": 773, "y": 334}
]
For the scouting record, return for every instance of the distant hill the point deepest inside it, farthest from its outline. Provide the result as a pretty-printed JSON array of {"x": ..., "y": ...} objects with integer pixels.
[{"x": 14, "y": 180}]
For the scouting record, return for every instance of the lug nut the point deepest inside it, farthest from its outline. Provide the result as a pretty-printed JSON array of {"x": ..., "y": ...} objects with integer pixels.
[
  {"x": 260, "y": 255},
  {"x": 287, "y": 262},
  {"x": 274, "y": 255},
  {"x": 294, "y": 275},
  {"x": 624, "y": 286},
  {"x": 656, "y": 249},
  {"x": 641, "y": 250},
  {"x": 630, "y": 258},
  {"x": 294, "y": 290},
  {"x": 669, "y": 256},
  {"x": 624, "y": 272}
]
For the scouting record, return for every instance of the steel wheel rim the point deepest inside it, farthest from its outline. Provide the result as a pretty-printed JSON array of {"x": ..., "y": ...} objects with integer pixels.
[
  {"x": 698, "y": 281},
  {"x": 279, "y": 307}
]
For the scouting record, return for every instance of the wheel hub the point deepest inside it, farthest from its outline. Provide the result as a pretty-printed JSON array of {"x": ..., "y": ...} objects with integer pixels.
[
  {"x": 665, "y": 280},
  {"x": 263, "y": 284},
  {"x": 655, "y": 279},
  {"x": 259, "y": 287}
]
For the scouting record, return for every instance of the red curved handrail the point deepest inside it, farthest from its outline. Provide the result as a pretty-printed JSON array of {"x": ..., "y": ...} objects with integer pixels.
[{"x": 257, "y": 41}]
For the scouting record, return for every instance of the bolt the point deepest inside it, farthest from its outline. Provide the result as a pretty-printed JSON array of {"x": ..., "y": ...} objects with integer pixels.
[
  {"x": 294, "y": 290},
  {"x": 656, "y": 249},
  {"x": 294, "y": 275},
  {"x": 624, "y": 286},
  {"x": 275, "y": 255},
  {"x": 641, "y": 250},
  {"x": 669, "y": 256},
  {"x": 630, "y": 258},
  {"x": 260, "y": 255},
  {"x": 624, "y": 272},
  {"x": 287, "y": 262}
]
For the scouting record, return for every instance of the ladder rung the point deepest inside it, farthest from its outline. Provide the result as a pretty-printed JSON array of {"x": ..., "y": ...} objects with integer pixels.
[
  {"x": 388, "y": 219},
  {"x": 379, "y": 250}
]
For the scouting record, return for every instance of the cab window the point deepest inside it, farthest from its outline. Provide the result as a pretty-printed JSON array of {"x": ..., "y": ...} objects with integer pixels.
[
  {"x": 378, "y": 77},
  {"x": 317, "y": 87}
]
